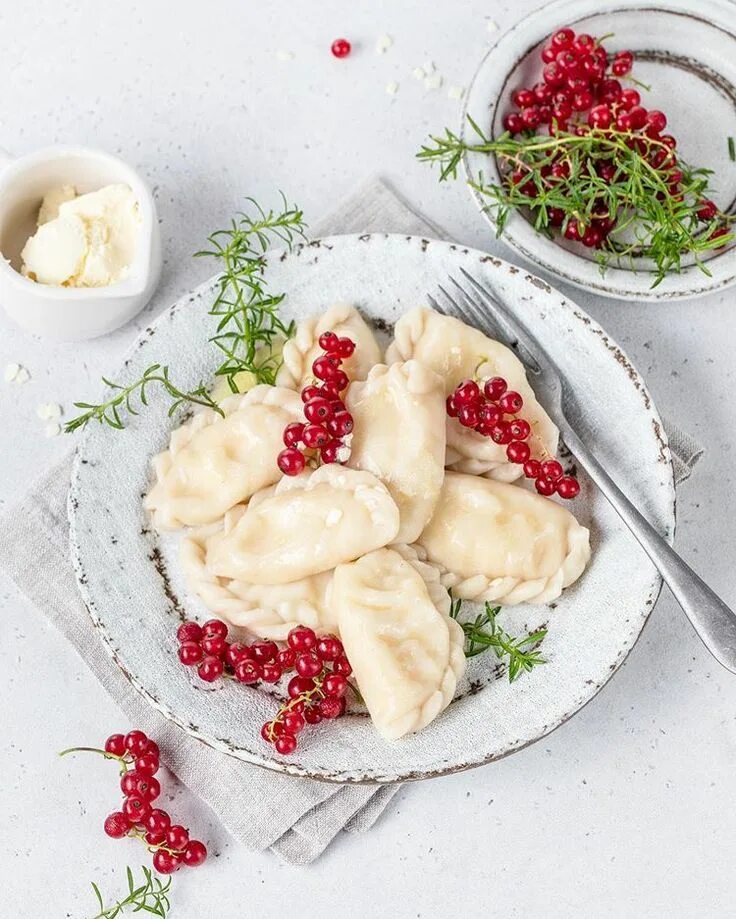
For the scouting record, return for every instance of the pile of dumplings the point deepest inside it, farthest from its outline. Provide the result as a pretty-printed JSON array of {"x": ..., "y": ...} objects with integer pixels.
[{"x": 368, "y": 550}]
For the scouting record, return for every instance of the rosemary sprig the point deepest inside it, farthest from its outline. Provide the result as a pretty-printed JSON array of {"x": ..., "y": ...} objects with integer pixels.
[
  {"x": 651, "y": 221},
  {"x": 108, "y": 412},
  {"x": 248, "y": 321},
  {"x": 484, "y": 632},
  {"x": 151, "y": 896},
  {"x": 731, "y": 150}
]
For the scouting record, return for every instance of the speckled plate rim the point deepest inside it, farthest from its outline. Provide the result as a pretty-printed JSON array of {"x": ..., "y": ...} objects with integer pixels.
[
  {"x": 513, "y": 45},
  {"x": 598, "y": 337}
]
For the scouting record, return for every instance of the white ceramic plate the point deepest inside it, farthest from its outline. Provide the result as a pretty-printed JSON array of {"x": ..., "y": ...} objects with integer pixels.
[
  {"x": 686, "y": 52},
  {"x": 131, "y": 584}
]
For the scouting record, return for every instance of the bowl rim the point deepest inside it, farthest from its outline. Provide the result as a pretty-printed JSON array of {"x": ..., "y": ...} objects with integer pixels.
[{"x": 518, "y": 234}]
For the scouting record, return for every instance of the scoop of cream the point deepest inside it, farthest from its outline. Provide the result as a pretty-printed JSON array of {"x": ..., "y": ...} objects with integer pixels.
[{"x": 83, "y": 240}]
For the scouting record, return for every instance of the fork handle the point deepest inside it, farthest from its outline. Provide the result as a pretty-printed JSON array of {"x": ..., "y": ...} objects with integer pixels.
[{"x": 714, "y": 622}]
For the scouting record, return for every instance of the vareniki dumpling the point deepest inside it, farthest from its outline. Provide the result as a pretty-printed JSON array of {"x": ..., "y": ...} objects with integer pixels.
[
  {"x": 499, "y": 542},
  {"x": 405, "y": 650},
  {"x": 456, "y": 352},
  {"x": 309, "y": 523},
  {"x": 215, "y": 462},
  {"x": 399, "y": 436},
  {"x": 301, "y": 351},
  {"x": 267, "y": 610}
]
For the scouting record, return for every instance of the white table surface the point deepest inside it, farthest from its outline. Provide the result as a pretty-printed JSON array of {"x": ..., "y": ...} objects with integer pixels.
[{"x": 626, "y": 810}]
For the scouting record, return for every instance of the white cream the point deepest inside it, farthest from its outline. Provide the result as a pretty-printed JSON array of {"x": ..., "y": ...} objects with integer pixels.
[{"x": 83, "y": 240}]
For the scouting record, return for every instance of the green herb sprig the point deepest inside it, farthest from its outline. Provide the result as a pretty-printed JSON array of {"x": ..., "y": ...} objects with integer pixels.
[
  {"x": 483, "y": 632},
  {"x": 651, "y": 221},
  {"x": 248, "y": 322},
  {"x": 149, "y": 896}
]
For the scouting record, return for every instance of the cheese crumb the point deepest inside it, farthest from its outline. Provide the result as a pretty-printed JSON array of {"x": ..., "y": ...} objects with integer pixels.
[
  {"x": 433, "y": 81},
  {"x": 11, "y": 372},
  {"x": 392, "y": 88},
  {"x": 48, "y": 410},
  {"x": 419, "y": 73},
  {"x": 383, "y": 44},
  {"x": 52, "y": 430},
  {"x": 491, "y": 25},
  {"x": 455, "y": 92},
  {"x": 284, "y": 55},
  {"x": 22, "y": 376}
]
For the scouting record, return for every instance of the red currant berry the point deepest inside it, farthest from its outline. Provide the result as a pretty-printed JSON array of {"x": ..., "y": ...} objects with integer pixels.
[
  {"x": 234, "y": 653},
  {"x": 329, "y": 648},
  {"x": 532, "y": 469},
  {"x": 622, "y": 63},
  {"x": 285, "y": 658},
  {"x": 214, "y": 647},
  {"x": 263, "y": 651},
  {"x": 312, "y": 714},
  {"x": 545, "y": 487},
  {"x": 629, "y": 99},
  {"x": 129, "y": 782},
  {"x": 214, "y": 628},
  {"x": 195, "y": 853},
  {"x": 531, "y": 117},
  {"x": 556, "y": 216},
  {"x": 190, "y": 653},
  {"x": 154, "y": 839},
  {"x": 599, "y": 116},
  {"x": 135, "y": 742},
  {"x": 340, "y": 380},
  {"x": 567, "y": 61},
  {"x": 523, "y": 98},
  {"x": 271, "y": 730},
  {"x": 177, "y": 836},
  {"x": 318, "y": 410},
  {"x": 325, "y": 367},
  {"x": 298, "y": 685},
  {"x": 549, "y": 53},
  {"x": 285, "y": 744},
  {"x": 518, "y": 452},
  {"x": 489, "y": 414},
  {"x": 609, "y": 91},
  {"x": 638, "y": 116},
  {"x": 511, "y": 402},
  {"x": 341, "y": 425},
  {"x": 210, "y": 669},
  {"x": 553, "y": 74},
  {"x": 512, "y": 122},
  {"x": 331, "y": 707},
  {"x": 568, "y": 487},
  {"x": 501, "y": 433},
  {"x": 552, "y": 470},
  {"x": 467, "y": 393},
  {"x": 331, "y": 452},
  {"x": 158, "y": 822},
  {"x": 166, "y": 863},
  {"x": 293, "y": 433},
  {"x": 147, "y": 764},
  {"x": 248, "y": 671},
  {"x": 301, "y": 638},
  {"x": 315, "y": 436},
  {"x": 624, "y": 122},
  {"x": 707, "y": 211},
  {"x": 346, "y": 348},
  {"x": 495, "y": 388},
  {"x": 468, "y": 416},
  {"x": 572, "y": 230},
  {"x": 451, "y": 406},
  {"x": 149, "y": 787},
  {"x": 311, "y": 392},
  {"x": 656, "y": 120},
  {"x": 542, "y": 93},
  {"x": 583, "y": 44},
  {"x": 136, "y": 808},
  {"x": 342, "y": 665},
  {"x": 291, "y": 461},
  {"x": 328, "y": 342},
  {"x": 115, "y": 744},
  {"x": 562, "y": 39},
  {"x": 582, "y": 100},
  {"x": 520, "y": 429},
  {"x": 117, "y": 825},
  {"x": 189, "y": 631},
  {"x": 561, "y": 111},
  {"x": 592, "y": 237},
  {"x": 340, "y": 47},
  {"x": 271, "y": 673},
  {"x": 335, "y": 684},
  {"x": 293, "y": 722},
  {"x": 308, "y": 664}
]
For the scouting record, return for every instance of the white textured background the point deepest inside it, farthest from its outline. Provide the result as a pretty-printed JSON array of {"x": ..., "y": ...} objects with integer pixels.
[{"x": 628, "y": 810}]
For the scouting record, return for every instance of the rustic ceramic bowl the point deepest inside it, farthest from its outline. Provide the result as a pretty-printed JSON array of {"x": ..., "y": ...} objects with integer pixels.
[
  {"x": 686, "y": 52},
  {"x": 130, "y": 578}
]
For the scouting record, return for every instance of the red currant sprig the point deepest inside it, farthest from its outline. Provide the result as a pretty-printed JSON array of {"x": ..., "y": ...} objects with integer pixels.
[
  {"x": 316, "y": 693},
  {"x": 138, "y": 758},
  {"x": 327, "y": 421},
  {"x": 493, "y": 412},
  {"x": 206, "y": 647}
]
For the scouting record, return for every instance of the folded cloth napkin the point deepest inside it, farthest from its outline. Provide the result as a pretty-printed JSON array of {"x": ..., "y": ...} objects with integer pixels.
[{"x": 303, "y": 815}]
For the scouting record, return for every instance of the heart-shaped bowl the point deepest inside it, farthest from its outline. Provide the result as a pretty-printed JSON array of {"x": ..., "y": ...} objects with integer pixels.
[{"x": 686, "y": 53}]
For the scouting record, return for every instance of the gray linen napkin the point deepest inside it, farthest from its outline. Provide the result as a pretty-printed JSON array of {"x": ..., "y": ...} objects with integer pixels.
[{"x": 303, "y": 816}]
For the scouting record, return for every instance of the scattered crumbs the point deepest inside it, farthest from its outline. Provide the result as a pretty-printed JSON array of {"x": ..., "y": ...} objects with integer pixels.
[
  {"x": 383, "y": 44},
  {"x": 22, "y": 376},
  {"x": 491, "y": 25},
  {"x": 392, "y": 88},
  {"x": 433, "y": 81},
  {"x": 47, "y": 411},
  {"x": 455, "y": 92},
  {"x": 282, "y": 55},
  {"x": 419, "y": 73},
  {"x": 11, "y": 372},
  {"x": 52, "y": 430}
]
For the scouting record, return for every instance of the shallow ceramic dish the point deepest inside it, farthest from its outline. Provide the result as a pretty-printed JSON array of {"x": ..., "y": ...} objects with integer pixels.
[
  {"x": 132, "y": 586},
  {"x": 687, "y": 53}
]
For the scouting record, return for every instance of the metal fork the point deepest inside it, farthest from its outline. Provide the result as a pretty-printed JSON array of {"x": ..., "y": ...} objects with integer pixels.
[{"x": 714, "y": 622}]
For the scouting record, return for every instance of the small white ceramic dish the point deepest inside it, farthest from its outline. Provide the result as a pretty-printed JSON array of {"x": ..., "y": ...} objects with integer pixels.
[
  {"x": 686, "y": 52},
  {"x": 131, "y": 580},
  {"x": 64, "y": 313}
]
